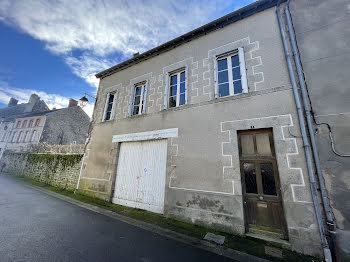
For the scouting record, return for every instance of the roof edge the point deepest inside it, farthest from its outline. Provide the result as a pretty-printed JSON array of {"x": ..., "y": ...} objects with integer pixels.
[{"x": 221, "y": 22}]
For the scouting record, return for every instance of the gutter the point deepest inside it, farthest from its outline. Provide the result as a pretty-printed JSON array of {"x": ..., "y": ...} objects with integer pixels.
[{"x": 318, "y": 212}]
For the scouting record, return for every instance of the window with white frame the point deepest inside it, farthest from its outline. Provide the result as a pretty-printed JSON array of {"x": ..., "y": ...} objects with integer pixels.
[
  {"x": 177, "y": 89},
  {"x": 231, "y": 74},
  {"x": 110, "y": 106},
  {"x": 37, "y": 122},
  {"x": 18, "y": 124},
  {"x": 24, "y": 125},
  {"x": 139, "y": 99},
  {"x": 19, "y": 138},
  {"x": 13, "y": 137},
  {"x": 26, "y": 138},
  {"x": 33, "y": 136}
]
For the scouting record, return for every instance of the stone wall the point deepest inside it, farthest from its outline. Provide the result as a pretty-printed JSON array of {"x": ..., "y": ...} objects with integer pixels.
[{"x": 59, "y": 170}]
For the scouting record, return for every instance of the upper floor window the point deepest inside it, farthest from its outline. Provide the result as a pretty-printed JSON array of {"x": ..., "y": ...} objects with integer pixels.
[
  {"x": 231, "y": 74},
  {"x": 139, "y": 99},
  {"x": 24, "y": 125},
  {"x": 31, "y": 123},
  {"x": 177, "y": 92},
  {"x": 18, "y": 124},
  {"x": 110, "y": 106},
  {"x": 37, "y": 122}
]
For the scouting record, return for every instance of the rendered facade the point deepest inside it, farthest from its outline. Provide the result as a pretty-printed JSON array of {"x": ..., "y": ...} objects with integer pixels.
[{"x": 205, "y": 129}]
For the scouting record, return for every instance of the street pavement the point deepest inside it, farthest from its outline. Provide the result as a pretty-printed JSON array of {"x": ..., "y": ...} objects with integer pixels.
[{"x": 35, "y": 226}]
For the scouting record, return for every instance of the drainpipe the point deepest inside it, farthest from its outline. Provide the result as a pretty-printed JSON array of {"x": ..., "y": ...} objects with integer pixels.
[
  {"x": 326, "y": 250},
  {"x": 325, "y": 201}
]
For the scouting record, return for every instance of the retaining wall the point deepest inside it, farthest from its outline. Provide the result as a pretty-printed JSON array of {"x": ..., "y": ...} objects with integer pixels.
[{"x": 59, "y": 170}]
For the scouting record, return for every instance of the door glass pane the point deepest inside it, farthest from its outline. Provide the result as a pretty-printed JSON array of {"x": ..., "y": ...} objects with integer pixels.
[
  {"x": 250, "y": 178},
  {"x": 263, "y": 144},
  {"x": 224, "y": 90},
  {"x": 268, "y": 179},
  {"x": 247, "y": 143}
]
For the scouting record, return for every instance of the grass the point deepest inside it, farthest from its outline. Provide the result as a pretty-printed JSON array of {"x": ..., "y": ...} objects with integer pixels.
[{"x": 248, "y": 245}]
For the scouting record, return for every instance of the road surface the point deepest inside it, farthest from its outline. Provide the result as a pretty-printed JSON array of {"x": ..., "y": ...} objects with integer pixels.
[{"x": 35, "y": 226}]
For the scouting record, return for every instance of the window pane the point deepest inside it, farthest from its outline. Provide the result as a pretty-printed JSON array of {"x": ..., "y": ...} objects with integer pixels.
[
  {"x": 108, "y": 115},
  {"x": 224, "y": 90},
  {"x": 222, "y": 64},
  {"x": 109, "y": 107},
  {"x": 182, "y": 99},
  {"x": 173, "y": 90},
  {"x": 182, "y": 87},
  {"x": 111, "y": 97},
  {"x": 250, "y": 178},
  {"x": 263, "y": 144},
  {"x": 173, "y": 80},
  {"x": 237, "y": 87},
  {"x": 137, "y": 100},
  {"x": 235, "y": 61},
  {"x": 247, "y": 144},
  {"x": 138, "y": 91},
  {"x": 236, "y": 73},
  {"x": 136, "y": 110},
  {"x": 223, "y": 77},
  {"x": 182, "y": 77},
  {"x": 268, "y": 179},
  {"x": 172, "y": 101}
]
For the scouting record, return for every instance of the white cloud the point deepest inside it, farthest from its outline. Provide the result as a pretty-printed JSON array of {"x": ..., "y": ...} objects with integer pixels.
[
  {"x": 100, "y": 28},
  {"x": 22, "y": 95}
]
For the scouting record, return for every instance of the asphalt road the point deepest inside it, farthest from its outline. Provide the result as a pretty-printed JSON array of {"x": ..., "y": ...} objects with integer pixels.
[{"x": 37, "y": 227}]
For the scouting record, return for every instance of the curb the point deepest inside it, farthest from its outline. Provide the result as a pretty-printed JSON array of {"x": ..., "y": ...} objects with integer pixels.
[{"x": 199, "y": 243}]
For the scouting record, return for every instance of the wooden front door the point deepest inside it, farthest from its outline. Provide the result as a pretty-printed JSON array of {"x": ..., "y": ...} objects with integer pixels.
[{"x": 260, "y": 181}]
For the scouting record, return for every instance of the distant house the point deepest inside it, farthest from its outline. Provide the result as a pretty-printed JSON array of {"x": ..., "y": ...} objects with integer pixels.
[{"x": 21, "y": 128}]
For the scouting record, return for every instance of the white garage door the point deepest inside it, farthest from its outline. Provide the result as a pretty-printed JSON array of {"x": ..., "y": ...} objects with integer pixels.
[{"x": 140, "y": 180}]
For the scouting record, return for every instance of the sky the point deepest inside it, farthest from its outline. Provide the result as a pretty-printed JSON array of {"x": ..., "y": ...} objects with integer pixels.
[{"x": 55, "y": 47}]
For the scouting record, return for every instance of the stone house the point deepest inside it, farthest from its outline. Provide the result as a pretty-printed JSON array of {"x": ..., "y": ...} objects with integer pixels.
[
  {"x": 13, "y": 109},
  {"x": 204, "y": 128},
  {"x": 18, "y": 132}
]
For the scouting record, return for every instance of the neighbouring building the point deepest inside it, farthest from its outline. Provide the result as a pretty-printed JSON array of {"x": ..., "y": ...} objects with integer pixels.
[
  {"x": 322, "y": 30},
  {"x": 19, "y": 131},
  {"x": 13, "y": 109},
  {"x": 204, "y": 128}
]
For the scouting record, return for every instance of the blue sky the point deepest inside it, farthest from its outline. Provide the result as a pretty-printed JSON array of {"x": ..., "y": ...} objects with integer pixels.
[{"x": 54, "y": 48}]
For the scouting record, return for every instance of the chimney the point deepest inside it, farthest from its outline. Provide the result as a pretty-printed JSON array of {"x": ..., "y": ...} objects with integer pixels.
[
  {"x": 12, "y": 102},
  {"x": 136, "y": 54},
  {"x": 33, "y": 99},
  {"x": 72, "y": 102}
]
